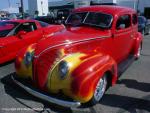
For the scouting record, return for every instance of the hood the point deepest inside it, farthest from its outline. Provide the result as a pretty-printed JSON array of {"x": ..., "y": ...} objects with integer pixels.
[{"x": 71, "y": 35}]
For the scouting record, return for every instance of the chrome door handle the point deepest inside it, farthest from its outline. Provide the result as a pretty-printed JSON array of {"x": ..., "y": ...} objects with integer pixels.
[{"x": 131, "y": 36}]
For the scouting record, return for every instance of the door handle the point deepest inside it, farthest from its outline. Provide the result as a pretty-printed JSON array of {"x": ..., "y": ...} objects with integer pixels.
[{"x": 131, "y": 36}]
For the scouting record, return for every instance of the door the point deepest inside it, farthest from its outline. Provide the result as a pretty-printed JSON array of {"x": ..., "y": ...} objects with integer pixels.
[
  {"x": 9, "y": 46},
  {"x": 32, "y": 33},
  {"x": 123, "y": 38},
  {"x": 18, "y": 41}
]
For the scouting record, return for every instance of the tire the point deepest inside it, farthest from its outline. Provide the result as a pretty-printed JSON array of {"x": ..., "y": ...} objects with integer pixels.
[{"x": 99, "y": 91}]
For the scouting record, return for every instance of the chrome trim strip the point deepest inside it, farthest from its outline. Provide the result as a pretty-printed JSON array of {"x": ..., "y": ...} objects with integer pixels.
[
  {"x": 47, "y": 98},
  {"x": 79, "y": 41},
  {"x": 124, "y": 33}
]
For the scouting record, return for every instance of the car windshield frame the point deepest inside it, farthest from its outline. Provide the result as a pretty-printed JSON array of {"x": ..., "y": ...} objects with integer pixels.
[
  {"x": 83, "y": 22},
  {"x": 5, "y": 32}
]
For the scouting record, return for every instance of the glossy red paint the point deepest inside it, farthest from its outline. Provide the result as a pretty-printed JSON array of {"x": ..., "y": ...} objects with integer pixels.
[
  {"x": 97, "y": 52},
  {"x": 10, "y": 45}
]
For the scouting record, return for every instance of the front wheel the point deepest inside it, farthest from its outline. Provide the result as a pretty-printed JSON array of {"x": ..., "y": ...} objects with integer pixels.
[{"x": 100, "y": 90}]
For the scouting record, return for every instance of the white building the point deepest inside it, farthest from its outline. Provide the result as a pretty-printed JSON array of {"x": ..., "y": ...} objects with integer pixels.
[{"x": 38, "y": 5}]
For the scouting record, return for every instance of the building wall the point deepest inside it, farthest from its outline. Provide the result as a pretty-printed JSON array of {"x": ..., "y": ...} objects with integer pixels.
[
  {"x": 38, "y": 5},
  {"x": 128, "y": 3},
  {"x": 81, "y": 3},
  {"x": 32, "y": 5},
  {"x": 145, "y": 3}
]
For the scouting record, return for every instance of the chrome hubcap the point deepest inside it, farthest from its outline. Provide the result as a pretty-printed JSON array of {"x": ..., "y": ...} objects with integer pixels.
[{"x": 100, "y": 89}]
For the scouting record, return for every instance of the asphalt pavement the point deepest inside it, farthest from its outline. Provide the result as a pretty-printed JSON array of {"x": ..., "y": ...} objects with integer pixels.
[{"x": 131, "y": 94}]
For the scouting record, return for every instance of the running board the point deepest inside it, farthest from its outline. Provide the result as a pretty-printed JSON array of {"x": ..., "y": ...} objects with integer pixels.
[{"x": 125, "y": 64}]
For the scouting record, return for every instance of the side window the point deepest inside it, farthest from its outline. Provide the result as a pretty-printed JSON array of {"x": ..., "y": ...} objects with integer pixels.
[
  {"x": 123, "y": 22},
  {"x": 28, "y": 27},
  {"x": 134, "y": 19}
]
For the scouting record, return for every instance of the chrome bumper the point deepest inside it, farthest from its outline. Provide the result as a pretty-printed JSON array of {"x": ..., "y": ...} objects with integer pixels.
[{"x": 45, "y": 97}]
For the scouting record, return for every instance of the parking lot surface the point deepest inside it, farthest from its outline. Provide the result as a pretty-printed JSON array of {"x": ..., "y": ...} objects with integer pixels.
[{"x": 131, "y": 94}]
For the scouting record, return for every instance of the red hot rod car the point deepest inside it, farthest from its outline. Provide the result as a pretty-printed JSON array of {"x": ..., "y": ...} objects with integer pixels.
[
  {"x": 76, "y": 65},
  {"x": 17, "y": 34}
]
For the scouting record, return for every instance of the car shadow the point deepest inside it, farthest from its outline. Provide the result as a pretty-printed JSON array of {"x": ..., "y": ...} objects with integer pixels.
[
  {"x": 122, "y": 102},
  {"x": 18, "y": 93},
  {"x": 6, "y": 63},
  {"x": 135, "y": 84},
  {"x": 126, "y": 103}
]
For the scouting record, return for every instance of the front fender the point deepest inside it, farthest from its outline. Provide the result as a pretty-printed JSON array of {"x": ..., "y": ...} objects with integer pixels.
[{"x": 89, "y": 72}]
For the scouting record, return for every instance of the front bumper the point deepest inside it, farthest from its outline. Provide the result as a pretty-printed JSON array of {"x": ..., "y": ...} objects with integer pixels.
[{"x": 38, "y": 94}]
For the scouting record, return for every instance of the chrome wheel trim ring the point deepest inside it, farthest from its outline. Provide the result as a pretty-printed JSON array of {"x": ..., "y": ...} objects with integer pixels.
[{"x": 100, "y": 89}]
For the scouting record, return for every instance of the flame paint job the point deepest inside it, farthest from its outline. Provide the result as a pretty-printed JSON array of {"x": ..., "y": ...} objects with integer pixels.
[
  {"x": 90, "y": 53},
  {"x": 23, "y": 70}
]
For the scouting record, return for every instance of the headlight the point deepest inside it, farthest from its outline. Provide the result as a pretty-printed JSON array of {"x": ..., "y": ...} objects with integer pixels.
[
  {"x": 63, "y": 69},
  {"x": 28, "y": 58}
]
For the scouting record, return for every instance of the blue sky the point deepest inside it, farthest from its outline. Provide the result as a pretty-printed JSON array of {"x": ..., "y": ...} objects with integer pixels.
[{"x": 5, "y": 4}]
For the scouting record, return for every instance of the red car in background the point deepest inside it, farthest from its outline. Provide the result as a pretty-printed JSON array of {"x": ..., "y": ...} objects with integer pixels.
[{"x": 16, "y": 34}]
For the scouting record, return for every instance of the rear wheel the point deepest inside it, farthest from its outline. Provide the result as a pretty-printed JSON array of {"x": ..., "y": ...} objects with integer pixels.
[{"x": 100, "y": 90}]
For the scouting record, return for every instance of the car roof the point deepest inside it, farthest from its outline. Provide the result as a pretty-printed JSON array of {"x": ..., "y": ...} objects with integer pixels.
[
  {"x": 21, "y": 20},
  {"x": 109, "y": 9}
]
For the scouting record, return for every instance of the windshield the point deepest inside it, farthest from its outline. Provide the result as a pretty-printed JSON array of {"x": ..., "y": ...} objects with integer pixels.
[
  {"x": 90, "y": 18},
  {"x": 6, "y": 27}
]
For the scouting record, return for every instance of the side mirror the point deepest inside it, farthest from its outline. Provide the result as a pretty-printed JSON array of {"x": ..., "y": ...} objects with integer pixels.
[{"x": 21, "y": 33}]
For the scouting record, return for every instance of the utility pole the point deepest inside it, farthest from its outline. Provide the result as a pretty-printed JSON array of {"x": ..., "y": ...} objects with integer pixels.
[
  {"x": 9, "y": 3},
  {"x": 22, "y": 9},
  {"x": 138, "y": 4}
]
